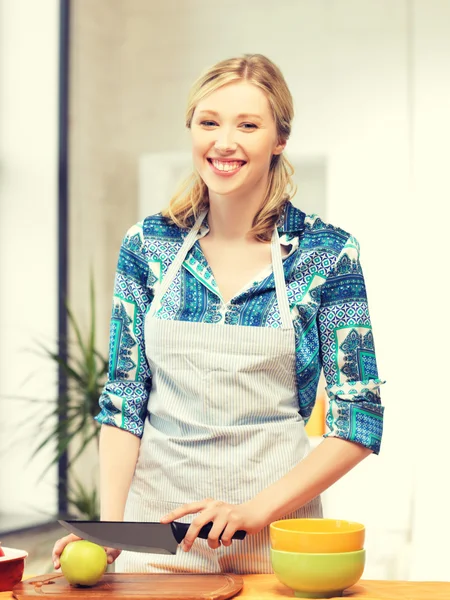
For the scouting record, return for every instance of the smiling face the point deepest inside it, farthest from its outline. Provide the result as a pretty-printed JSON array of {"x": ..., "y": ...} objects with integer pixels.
[{"x": 234, "y": 137}]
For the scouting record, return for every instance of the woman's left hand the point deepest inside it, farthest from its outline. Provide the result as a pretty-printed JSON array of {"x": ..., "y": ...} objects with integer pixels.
[{"x": 226, "y": 518}]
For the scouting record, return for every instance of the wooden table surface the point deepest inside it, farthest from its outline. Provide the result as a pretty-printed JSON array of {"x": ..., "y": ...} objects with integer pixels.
[{"x": 267, "y": 587}]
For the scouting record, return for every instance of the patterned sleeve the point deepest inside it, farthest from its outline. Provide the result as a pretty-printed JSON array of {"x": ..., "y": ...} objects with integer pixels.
[
  {"x": 348, "y": 354},
  {"x": 124, "y": 398}
]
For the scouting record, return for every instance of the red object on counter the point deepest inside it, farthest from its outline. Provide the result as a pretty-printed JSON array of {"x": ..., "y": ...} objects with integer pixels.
[{"x": 12, "y": 564}]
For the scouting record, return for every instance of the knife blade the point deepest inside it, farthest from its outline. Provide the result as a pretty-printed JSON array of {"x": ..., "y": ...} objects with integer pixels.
[{"x": 152, "y": 538}]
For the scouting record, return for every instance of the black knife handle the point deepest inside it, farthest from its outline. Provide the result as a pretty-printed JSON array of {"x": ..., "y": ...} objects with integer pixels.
[{"x": 180, "y": 529}]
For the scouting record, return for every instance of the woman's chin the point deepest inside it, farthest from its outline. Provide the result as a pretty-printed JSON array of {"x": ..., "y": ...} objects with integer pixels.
[{"x": 222, "y": 188}]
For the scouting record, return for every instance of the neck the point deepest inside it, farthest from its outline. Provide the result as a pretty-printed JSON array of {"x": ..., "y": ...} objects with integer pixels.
[{"x": 231, "y": 217}]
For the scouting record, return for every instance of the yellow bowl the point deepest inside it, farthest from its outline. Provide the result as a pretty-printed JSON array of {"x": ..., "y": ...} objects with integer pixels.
[
  {"x": 317, "y": 535},
  {"x": 318, "y": 575}
]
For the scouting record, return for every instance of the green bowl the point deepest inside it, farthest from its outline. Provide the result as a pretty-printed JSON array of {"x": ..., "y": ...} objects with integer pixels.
[{"x": 318, "y": 575}]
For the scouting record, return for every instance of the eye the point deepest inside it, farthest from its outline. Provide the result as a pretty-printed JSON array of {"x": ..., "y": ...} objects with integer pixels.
[
  {"x": 249, "y": 126},
  {"x": 208, "y": 123}
]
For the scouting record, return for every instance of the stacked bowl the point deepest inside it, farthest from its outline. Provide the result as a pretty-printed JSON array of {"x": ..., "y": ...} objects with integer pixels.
[{"x": 317, "y": 558}]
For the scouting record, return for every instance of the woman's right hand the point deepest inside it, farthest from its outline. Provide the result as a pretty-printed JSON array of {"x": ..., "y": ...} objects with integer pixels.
[{"x": 112, "y": 553}]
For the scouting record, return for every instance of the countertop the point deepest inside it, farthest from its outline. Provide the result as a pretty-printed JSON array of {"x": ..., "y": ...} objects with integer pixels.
[{"x": 267, "y": 587}]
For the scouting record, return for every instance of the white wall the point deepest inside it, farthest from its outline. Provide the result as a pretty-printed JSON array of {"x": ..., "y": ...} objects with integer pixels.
[
  {"x": 427, "y": 290},
  {"x": 28, "y": 248},
  {"x": 369, "y": 150}
]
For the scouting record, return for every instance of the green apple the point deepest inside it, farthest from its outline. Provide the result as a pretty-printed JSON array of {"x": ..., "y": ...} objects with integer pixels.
[{"x": 83, "y": 563}]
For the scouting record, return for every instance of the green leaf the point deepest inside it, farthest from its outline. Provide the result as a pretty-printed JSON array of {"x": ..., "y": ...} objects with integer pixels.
[
  {"x": 71, "y": 414},
  {"x": 85, "y": 501},
  {"x": 65, "y": 365},
  {"x": 74, "y": 324},
  {"x": 92, "y": 336}
]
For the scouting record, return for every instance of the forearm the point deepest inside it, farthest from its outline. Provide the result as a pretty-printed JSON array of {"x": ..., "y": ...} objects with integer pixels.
[
  {"x": 325, "y": 465},
  {"x": 118, "y": 453}
]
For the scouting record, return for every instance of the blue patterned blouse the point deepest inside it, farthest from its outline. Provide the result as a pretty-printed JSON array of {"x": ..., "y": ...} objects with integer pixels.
[{"x": 327, "y": 296}]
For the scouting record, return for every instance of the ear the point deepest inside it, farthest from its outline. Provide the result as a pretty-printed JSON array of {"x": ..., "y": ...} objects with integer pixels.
[{"x": 279, "y": 147}]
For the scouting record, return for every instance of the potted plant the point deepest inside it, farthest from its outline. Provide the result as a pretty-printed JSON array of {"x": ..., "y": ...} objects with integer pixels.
[{"x": 84, "y": 370}]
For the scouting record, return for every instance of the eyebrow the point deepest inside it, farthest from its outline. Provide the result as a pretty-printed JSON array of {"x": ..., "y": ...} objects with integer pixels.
[{"x": 240, "y": 116}]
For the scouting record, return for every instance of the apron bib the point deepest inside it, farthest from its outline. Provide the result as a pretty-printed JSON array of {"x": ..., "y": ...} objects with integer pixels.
[{"x": 223, "y": 422}]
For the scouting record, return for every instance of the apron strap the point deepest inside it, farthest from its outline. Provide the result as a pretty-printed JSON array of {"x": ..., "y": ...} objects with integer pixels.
[
  {"x": 280, "y": 283},
  {"x": 176, "y": 265},
  {"x": 277, "y": 265}
]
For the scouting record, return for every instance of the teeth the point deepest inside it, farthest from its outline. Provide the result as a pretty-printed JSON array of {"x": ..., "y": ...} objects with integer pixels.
[{"x": 226, "y": 166}]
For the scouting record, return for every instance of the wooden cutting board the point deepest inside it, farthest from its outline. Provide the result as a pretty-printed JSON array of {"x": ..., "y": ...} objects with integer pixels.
[{"x": 134, "y": 586}]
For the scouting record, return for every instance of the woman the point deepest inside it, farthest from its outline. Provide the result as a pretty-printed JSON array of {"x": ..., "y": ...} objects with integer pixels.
[{"x": 226, "y": 307}]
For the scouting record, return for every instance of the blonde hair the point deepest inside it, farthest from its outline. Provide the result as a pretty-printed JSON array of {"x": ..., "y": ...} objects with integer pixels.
[{"x": 191, "y": 197}]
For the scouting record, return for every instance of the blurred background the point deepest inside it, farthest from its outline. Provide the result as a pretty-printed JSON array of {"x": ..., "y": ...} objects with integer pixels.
[{"x": 92, "y": 139}]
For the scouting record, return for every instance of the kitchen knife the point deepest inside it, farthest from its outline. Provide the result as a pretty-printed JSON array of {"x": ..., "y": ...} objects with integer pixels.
[{"x": 153, "y": 538}]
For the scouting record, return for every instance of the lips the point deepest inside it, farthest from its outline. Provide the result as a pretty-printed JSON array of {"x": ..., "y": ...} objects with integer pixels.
[{"x": 226, "y": 167}]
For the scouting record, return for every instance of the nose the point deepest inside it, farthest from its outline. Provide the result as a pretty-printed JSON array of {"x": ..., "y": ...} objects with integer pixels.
[{"x": 225, "y": 141}]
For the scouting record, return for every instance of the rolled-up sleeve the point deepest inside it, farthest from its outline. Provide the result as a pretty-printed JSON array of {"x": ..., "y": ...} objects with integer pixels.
[
  {"x": 124, "y": 398},
  {"x": 348, "y": 353}
]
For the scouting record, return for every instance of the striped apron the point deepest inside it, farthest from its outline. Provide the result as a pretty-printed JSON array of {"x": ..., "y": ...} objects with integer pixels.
[{"x": 223, "y": 422}]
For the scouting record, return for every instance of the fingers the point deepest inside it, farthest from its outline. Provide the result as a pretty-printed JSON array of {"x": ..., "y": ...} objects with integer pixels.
[
  {"x": 185, "y": 509},
  {"x": 194, "y": 529},
  {"x": 224, "y": 529},
  {"x": 112, "y": 554},
  {"x": 220, "y": 524},
  {"x": 59, "y": 547},
  {"x": 219, "y": 514},
  {"x": 228, "y": 533},
  {"x": 223, "y": 516}
]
